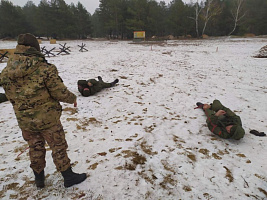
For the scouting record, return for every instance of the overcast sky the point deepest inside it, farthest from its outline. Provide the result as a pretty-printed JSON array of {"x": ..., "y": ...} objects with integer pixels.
[{"x": 90, "y": 5}]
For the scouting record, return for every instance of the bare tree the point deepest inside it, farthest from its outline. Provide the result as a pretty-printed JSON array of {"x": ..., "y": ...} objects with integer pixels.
[
  {"x": 211, "y": 9},
  {"x": 196, "y": 17},
  {"x": 237, "y": 13}
]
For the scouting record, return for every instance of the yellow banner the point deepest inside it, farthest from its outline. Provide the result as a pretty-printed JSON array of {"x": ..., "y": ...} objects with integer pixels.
[{"x": 139, "y": 34}]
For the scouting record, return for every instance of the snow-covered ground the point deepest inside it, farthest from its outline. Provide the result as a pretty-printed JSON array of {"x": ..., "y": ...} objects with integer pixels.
[{"x": 143, "y": 139}]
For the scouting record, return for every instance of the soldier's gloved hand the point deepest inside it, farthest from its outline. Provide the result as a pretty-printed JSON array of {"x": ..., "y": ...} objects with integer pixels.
[
  {"x": 220, "y": 112},
  {"x": 75, "y": 104}
]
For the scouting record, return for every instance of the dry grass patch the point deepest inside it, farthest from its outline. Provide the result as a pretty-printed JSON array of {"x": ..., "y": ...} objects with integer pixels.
[
  {"x": 214, "y": 155},
  {"x": 72, "y": 119},
  {"x": 187, "y": 188},
  {"x": 207, "y": 196},
  {"x": 114, "y": 149},
  {"x": 166, "y": 166},
  {"x": 146, "y": 177},
  {"x": 229, "y": 175},
  {"x": 241, "y": 155},
  {"x": 137, "y": 159},
  {"x": 166, "y": 181},
  {"x": 221, "y": 153},
  {"x": 263, "y": 191},
  {"x": 93, "y": 166},
  {"x": 147, "y": 149},
  {"x": 149, "y": 129},
  {"x": 123, "y": 77},
  {"x": 261, "y": 177},
  {"x": 21, "y": 148},
  {"x": 71, "y": 111},
  {"x": 192, "y": 157},
  {"x": 204, "y": 151},
  {"x": 102, "y": 154}
]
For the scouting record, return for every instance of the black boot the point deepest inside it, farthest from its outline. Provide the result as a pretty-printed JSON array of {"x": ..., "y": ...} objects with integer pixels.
[
  {"x": 200, "y": 105},
  {"x": 39, "y": 179},
  {"x": 71, "y": 178},
  {"x": 114, "y": 82},
  {"x": 99, "y": 78}
]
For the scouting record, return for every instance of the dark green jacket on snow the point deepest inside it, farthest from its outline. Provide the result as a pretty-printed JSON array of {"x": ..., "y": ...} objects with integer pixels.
[{"x": 217, "y": 125}]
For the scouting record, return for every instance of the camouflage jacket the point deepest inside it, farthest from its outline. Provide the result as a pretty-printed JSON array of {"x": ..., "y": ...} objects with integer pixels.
[
  {"x": 35, "y": 89},
  {"x": 97, "y": 86},
  {"x": 217, "y": 125}
]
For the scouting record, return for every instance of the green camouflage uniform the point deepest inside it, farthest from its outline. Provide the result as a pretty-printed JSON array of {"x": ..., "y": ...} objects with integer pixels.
[
  {"x": 97, "y": 86},
  {"x": 35, "y": 89},
  {"x": 217, "y": 125}
]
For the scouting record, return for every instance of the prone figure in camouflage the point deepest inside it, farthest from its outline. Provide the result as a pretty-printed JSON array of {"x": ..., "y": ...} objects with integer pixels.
[
  {"x": 35, "y": 90},
  {"x": 92, "y": 86},
  {"x": 222, "y": 121}
]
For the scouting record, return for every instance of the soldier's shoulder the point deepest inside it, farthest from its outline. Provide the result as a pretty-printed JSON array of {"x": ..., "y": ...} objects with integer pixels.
[{"x": 48, "y": 66}]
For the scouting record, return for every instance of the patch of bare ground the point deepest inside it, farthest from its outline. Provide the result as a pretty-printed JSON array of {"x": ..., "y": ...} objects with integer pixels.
[
  {"x": 261, "y": 177},
  {"x": 167, "y": 166},
  {"x": 214, "y": 155},
  {"x": 178, "y": 141},
  {"x": 207, "y": 196},
  {"x": 72, "y": 119},
  {"x": 187, "y": 188},
  {"x": 102, "y": 154},
  {"x": 123, "y": 77},
  {"x": 263, "y": 191},
  {"x": 70, "y": 111},
  {"x": 204, "y": 152},
  {"x": 136, "y": 159},
  {"x": 21, "y": 148},
  {"x": 228, "y": 175},
  {"x": 114, "y": 149},
  {"x": 241, "y": 155},
  {"x": 223, "y": 152},
  {"x": 167, "y": 181},
  {"x": 84, "y": 124},
  {"x": 147, "y": 149},
  {"x": 192, "y": 157},
  {"x": 93, "y": 166},
  {"x": 149, "y": 129}
]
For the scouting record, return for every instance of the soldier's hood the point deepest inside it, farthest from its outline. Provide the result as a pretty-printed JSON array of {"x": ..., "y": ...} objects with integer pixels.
[
  {"x": 25, "y": 61},
  {"x": 238, "y": 132}
]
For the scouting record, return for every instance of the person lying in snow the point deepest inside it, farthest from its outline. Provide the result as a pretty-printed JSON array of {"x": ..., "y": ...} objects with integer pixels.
[
  {"x": 222, "y": 121},
  {"x": 92, "y": 86}
]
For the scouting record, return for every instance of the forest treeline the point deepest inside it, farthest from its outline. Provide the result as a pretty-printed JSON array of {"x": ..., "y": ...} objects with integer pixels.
[{"x": 119, "y": 18}]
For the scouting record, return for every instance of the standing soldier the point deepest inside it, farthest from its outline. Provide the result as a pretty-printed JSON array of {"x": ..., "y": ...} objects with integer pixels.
[
  {"x": 35, "y": 89},
  {"x": 92, "y": 86}
]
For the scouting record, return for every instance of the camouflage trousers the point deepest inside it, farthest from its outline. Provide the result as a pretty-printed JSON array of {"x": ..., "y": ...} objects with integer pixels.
[{"x": 55, "y": 138}]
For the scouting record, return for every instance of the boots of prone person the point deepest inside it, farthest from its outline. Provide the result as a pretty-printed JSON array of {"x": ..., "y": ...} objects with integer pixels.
[
  {"x": 114, "y": 82},
  {"x": 71, "y": 178},
  {"x": 39, "y": 179}
]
